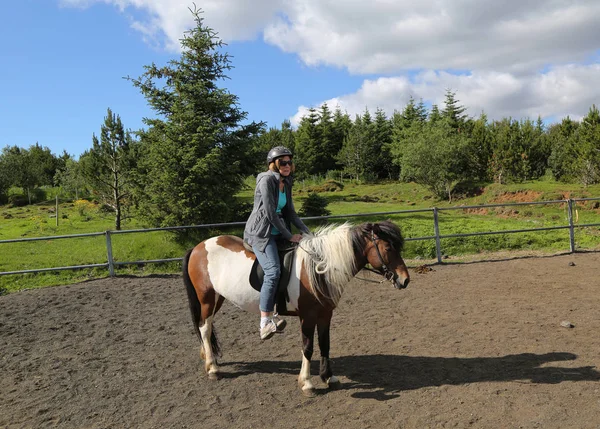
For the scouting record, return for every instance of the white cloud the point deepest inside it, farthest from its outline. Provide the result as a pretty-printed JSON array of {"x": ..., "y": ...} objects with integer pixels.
[
  {"x": 383, "y": 36},
  {"x": 519, "y": 58},
  {"x": 561, "y": 91},
  {"x": 166, "y": 20}
]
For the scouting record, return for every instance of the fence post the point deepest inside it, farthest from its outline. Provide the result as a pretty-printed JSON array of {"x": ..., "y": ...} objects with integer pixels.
[
  {"x": 436, "y": 228},
  {"x": 571, "y": 226},
  {"x": 111, "y": 265}
]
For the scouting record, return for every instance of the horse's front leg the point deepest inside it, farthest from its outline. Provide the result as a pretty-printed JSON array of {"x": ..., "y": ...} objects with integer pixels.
[
  {"x": 323, "y": 324},
  {"x": 308, "y": 337}
]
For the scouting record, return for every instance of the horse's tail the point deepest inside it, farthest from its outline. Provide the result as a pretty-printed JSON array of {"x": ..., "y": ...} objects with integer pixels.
[{"x": 195, "y": 308}]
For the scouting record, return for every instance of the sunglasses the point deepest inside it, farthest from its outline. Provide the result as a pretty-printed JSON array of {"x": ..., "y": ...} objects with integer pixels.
[{"x": 283, "y": 163}]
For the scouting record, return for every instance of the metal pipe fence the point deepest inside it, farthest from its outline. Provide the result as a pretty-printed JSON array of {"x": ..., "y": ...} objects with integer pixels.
[{"x": 110, "y": 263}]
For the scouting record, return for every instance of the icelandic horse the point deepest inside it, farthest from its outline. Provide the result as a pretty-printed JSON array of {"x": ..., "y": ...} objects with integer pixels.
[{"x": 219, "y": 268}]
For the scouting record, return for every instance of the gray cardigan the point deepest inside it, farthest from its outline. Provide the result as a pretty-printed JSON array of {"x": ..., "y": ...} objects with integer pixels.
[{"x": 263, "y": 217}]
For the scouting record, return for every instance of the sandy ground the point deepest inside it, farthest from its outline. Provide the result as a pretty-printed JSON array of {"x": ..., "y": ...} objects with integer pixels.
[{"x": 475, "y": 345}]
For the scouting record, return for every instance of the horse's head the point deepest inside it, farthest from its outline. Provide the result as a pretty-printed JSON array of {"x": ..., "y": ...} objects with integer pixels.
[{"x": 383, "y": 245}]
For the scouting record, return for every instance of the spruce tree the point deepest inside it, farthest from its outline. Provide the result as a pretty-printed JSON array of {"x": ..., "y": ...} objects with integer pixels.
[
  {"x": 196, "y": 152},
  {"x": 382, "y": 146},
  {"x": 308, "y": 147},
  {"x": 327, "y": 143},
  {"x": 453, "y": 112},
  {"x": 342, "y": 124}
]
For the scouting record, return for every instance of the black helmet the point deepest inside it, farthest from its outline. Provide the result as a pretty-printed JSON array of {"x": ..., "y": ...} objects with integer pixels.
[{"x": 277, "y": 152}]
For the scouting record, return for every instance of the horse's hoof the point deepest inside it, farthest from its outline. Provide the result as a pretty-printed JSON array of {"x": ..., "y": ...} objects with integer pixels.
[
  {"x": 309, "y": 392},
  {"x": 214, "y": 376},
  {"x": 334, "y": 383}
]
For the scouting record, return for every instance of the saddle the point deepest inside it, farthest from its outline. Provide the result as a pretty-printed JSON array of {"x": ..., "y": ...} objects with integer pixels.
[{"x": 287, "y": 252}]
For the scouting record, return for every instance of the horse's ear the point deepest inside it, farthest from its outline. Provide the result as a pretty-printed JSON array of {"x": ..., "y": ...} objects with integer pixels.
[{"x": 368, "y": 227}]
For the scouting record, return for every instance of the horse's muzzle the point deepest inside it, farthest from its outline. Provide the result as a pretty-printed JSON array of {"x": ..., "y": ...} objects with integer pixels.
[{"x": 399, "y": 284}]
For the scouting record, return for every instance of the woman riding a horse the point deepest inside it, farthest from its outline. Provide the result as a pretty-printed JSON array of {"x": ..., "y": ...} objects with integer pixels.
[{"x": 270, "y": 221}]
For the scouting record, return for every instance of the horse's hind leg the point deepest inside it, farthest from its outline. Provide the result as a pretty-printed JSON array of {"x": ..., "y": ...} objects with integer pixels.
[{"x": 209, "y": 306}]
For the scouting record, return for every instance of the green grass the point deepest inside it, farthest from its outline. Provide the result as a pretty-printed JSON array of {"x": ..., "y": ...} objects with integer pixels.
[{"x": 37, "y": 221}]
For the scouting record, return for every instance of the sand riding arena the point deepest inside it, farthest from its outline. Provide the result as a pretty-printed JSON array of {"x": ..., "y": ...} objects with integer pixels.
[{"x": 471, "y": 345}]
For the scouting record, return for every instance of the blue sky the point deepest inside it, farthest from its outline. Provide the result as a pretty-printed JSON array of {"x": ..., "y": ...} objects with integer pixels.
[{"x": 63, "y": 61}]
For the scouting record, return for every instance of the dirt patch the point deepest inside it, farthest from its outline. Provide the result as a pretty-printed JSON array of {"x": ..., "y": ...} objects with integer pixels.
[
  {"x": 517, "y": 197},
  {"x": 477, "y": 345}
]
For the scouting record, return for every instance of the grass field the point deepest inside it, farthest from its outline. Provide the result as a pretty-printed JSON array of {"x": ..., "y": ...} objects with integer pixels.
[{"x": 81, "y": 217}]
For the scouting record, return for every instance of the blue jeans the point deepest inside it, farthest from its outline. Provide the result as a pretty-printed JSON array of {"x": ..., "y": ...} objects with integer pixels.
[{"x": 269, "y": 261}]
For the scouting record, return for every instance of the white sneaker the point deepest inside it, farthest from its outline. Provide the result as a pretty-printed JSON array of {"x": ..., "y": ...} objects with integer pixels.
[
  {"x": 280, "y": 323},
  {"x": 268, "y": 330}
]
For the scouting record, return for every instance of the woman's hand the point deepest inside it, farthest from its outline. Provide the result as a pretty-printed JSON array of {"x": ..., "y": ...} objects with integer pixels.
[{"x": 296, "y": 238}]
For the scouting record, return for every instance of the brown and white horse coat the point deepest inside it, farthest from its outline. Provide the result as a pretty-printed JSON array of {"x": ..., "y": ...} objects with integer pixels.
[{"x": 219, "y": 268}]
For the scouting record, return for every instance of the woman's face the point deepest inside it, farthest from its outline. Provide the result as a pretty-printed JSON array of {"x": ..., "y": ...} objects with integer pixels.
[{"x": 285, "y": 165}]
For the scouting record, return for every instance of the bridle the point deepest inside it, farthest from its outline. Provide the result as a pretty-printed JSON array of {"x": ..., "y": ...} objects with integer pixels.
[
  {"x": 385, "y": 271},
  {"x": 388, "y": 274}
]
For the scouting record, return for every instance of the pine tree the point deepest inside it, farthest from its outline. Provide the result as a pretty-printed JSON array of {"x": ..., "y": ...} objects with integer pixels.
[
  {"x": 351, "y": 156},
  {"x": 341, "y": 126},
  {"x": 327, "y": 144},
  {"x": 587, "y": 149},
  {"x": 288, "y": 135},
  {"x": 108, "y": 164},
  {"x": 562, "y": 140},
  {"x": 434, "y": 114},
  {"x": 196, "y": 154},
  {"x": 308, "y": 148},
  {"x": 453, "y": 112},
  {"x": 382, "y": 146}
]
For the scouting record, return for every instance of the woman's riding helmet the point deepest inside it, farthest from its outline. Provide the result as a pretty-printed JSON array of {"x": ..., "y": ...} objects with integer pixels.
[{"x": 277, "y": 152}]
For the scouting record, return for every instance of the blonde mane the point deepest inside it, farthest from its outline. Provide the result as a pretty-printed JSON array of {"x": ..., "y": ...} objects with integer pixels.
[{"x": 328, "y": 258}]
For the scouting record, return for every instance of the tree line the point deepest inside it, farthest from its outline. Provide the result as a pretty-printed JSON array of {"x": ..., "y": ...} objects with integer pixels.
[
  {"x": 186, "y": 166},
  {"x": 441, "y": 148}
]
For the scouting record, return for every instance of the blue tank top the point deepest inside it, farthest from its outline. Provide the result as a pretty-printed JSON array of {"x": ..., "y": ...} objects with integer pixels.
[{"x": 280, "y": 205}]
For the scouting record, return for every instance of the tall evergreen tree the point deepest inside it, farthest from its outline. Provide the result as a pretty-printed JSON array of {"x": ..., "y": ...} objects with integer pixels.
[
  {"x": 328, "y": 144},
  {"x": 196, "y": 153},
  {"x": 341, "y": 126},
  {"x": 370, "y": 148},
  {"x": 562, "y": 141},
  {"x": 288, "y": 135},
  {"x": 403, "y": 124},
  {"x": 480, "y": 148},
  {"x": 434, "y": 114},
  {"x": 108, "y": 164},
  {"x": 382, "y": 146},
  {"x": 453, "y": 112},
  {"x": 351, "y": 156},
  {"x": 308, "y": 147},
  {"x": 587, "y": 161}
]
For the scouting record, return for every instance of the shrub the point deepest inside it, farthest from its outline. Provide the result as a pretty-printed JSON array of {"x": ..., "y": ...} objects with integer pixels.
[
  {"x": 329, "y": 186},
  {"x": 17, "y": 200},
  {"x": 83, "y": 207},
  {"x": 314, "y": 205}
]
